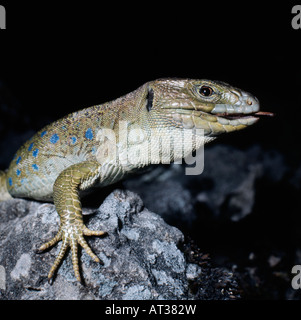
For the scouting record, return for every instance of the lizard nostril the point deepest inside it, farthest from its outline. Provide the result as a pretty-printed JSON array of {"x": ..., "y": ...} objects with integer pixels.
[{"x": 249, "y": 102}]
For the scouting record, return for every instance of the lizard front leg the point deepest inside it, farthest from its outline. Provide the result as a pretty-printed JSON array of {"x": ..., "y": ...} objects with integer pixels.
[{"x": 67, "y": 202}]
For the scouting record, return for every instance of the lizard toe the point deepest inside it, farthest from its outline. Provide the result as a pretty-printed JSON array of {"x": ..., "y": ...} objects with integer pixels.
[
  {"x": 58, "y": 259},
  {"x": 52, "y": 242},
  {"x": 88, "y": 232},
  {"x": 85, "y": 245}
]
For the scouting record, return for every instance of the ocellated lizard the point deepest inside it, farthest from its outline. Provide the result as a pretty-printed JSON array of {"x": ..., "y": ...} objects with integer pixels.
[{"x": 102, "y": 144}]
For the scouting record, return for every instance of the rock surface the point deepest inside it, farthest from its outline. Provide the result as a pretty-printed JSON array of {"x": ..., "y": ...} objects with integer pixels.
[
  {"x": 226, "y": 187},
  {"x": 143, "y": 257}
]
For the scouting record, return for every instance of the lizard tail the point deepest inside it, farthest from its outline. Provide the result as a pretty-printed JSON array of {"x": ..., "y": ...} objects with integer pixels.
[{"x": 4, "y": 195}]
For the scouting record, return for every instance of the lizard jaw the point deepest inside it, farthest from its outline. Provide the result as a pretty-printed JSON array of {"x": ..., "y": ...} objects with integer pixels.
[
  {"x": 245, "y": 111},
  {"x": 245, "y": 119}
]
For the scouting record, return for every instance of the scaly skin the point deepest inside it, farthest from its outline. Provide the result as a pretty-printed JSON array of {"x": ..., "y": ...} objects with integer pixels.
[{"x": 96, "y": 146}]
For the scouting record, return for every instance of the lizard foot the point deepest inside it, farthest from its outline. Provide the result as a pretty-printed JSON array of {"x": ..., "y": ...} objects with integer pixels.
[{"x": 71, "y": 237}]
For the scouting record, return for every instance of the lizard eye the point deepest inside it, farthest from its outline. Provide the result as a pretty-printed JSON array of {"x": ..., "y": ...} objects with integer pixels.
[{"x": 206, "y": 91}]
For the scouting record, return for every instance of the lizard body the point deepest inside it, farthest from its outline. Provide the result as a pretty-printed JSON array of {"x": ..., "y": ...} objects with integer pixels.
[{"x": 102, "y": 144}]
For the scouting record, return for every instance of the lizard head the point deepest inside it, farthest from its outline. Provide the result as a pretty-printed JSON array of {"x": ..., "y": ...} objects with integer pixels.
[{"x": 213, "y": 106}]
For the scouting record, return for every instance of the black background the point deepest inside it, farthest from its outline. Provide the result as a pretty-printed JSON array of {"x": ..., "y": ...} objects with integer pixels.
[{"x": 55, "y": 59}]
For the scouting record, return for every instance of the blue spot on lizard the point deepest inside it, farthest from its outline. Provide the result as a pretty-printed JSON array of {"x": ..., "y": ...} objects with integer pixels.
[
  {"x": 18, "y": 172},
  {"x": 54, "y": 138},
  {"x": 24, "y": 180},
  {"x": 35, "y": 167},
  {"x": 89, "y": 134},
  {"x": 35, "y": 152},
  {"x": 30, "y": 147},
  {"x": 18, "y": 160},
  {"x": 73, "y": 140},
  {"x": 43, "y": 133},
  {"x": 10, "y": 181}
]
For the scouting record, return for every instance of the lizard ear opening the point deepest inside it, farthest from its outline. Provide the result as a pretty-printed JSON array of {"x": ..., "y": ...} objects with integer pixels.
[{"x": 149, "y": 98}]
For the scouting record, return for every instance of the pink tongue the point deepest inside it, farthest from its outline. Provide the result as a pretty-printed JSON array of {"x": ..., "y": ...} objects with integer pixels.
[{"x": 263, "y": 113}]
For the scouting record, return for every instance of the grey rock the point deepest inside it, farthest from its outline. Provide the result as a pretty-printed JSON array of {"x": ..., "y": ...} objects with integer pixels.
[
  {"x": 233, "y": 174},
  {"x": 227, "y": 185},
  {"x": 163, "y": 191},
  {"x": 140, "y": 254}
]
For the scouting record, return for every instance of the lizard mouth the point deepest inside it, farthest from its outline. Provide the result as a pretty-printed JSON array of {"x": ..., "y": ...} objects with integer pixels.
[
  {"x": 230, "y": 116},
  {"x": 235, "y": 119}
]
